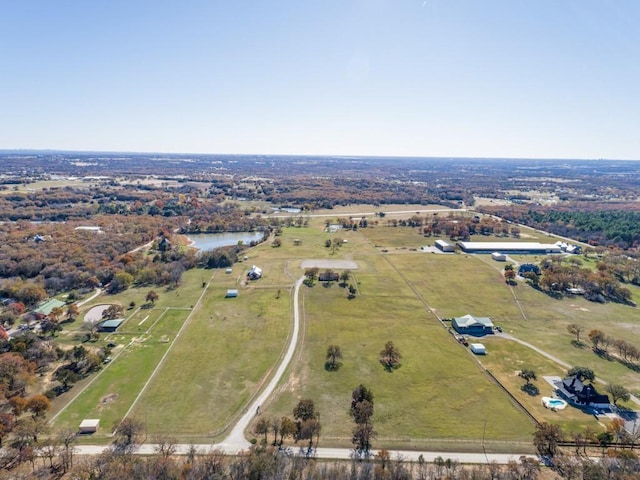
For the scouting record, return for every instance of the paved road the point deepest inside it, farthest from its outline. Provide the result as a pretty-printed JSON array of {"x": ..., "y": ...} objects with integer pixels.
[
  {"x": 363, "y": 214},
  {"x": 327, "y": 453}
]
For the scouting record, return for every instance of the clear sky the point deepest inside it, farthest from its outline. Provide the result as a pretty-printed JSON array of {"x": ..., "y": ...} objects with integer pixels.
[{"x": 477, "y": 78}]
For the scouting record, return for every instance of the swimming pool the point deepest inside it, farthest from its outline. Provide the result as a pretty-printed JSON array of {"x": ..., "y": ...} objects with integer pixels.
[{"x": 554, "y": 403}]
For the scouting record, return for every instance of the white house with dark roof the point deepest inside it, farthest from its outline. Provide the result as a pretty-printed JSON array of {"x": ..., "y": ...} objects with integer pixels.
[{"x": 255, "y": 273}]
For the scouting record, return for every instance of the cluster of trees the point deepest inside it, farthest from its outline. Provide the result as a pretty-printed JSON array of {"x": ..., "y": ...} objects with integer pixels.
[
  {"x": 593, "y": 223},
  {"x": 334, "y": 190},
  {"x": 21, "y": 416},
  {"x": 627, "y": 353},
  {"x": 361, "y": 411},
  {"x": 572, "y": 456},
  {"x": 560, "y": 274},
  {"x": 220, "y": 257},
  {"x": 57, "y": 257},
  {"x": 453, "y": 225},
  {"x": 228, "y": 217},
  {"x": 99, "y": 198},
  {"x": 305, "y": 426},
  {"x": 78, "y": 363}
]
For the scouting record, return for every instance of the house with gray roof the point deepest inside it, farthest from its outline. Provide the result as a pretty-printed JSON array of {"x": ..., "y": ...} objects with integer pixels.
[{"x": 470, "y": 325}]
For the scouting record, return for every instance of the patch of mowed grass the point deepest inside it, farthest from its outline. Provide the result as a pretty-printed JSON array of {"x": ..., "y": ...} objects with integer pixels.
[
  {"x": 505, "y": 359},
  {"x": 395, "y": 237},
  {"x": 455, "y": 285},
  {"x": 438, "y": 391},
  {"x": 111, "y": 394},
  {"x": 224, "y": 356},
  {"x": 379, "y": 278},
  {"x": 458, "y": 284},
  {"x": 282, "y": 265}
]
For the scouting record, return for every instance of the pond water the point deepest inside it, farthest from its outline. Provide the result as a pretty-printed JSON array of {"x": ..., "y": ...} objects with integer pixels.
[{"x": 209, "y": 241}]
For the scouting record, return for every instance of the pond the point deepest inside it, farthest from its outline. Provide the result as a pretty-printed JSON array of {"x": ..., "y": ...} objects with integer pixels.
[{"x": 209, "y": 241}]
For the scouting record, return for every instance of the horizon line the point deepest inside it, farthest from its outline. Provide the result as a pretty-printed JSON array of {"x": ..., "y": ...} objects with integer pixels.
[{"x": 129, "y": 152}]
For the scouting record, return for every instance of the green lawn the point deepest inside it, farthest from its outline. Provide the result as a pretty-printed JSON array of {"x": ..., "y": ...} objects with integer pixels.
[{"x": 505, "y": 359}]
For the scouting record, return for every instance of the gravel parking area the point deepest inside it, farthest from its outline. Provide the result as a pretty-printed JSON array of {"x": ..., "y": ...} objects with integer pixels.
[{"x": 95, "y": 314}]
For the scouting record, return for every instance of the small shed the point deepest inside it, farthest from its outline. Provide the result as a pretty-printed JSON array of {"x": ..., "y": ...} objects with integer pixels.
[
  {"x": 478, "y": 348},
  {"x": 228, "y": 270},
  {"x": 231, "y": 293},
  {"x": 499, "y": 257},
  {"x": 89, "y": 425},
  {"x": 110, "y": 325}
]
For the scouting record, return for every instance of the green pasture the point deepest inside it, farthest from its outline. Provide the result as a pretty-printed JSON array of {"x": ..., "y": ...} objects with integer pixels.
[
  {"x": 438, "y": 393},
  {"x": 112, "y": 392},
  {"x": 454, "y": 285},
  {"x": 395, "y": 237},
  {"x": 227, "y": 352},
  {"x": 440, "y": 396}
]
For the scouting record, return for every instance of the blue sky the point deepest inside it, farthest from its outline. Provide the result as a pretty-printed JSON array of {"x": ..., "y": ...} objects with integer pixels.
[{"x": 477, "y": 78}]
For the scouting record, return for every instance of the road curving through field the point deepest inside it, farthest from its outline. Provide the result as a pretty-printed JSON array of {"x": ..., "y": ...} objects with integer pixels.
[{"x": 236, "y": 440}]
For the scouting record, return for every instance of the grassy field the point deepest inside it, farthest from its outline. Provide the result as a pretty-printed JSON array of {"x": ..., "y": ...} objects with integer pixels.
[
  {"x": 439, "y": 393},
  {"x": 227, "y": 352},
  {"x": 440, "y": 397},
  {"x": 112, "y": 392}
]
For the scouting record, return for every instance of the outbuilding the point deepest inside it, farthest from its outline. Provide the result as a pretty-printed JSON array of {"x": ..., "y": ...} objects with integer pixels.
[
  {"x": 231, "y": 293},
  {"x": 534, "y": 248},
  {"x": 89, "y": 425},
  {"x": 444, "y": 246},
  {"x": 499, "y": 257},
  {"x": 110, "y": 325},
  {"x": 478, "y": 348}
]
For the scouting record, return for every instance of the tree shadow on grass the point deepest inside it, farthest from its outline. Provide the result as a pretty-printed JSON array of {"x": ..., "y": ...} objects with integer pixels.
[
  {"x": 530, "y": 389},
  {"x": 332, "y": 367},
  {"x": 390, "y": 367}
]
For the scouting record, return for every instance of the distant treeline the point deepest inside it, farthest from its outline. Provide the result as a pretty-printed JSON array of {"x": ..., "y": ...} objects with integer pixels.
[{"x": 596, "y": 224}]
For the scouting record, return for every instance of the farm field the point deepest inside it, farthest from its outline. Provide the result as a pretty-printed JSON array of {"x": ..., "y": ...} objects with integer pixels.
[
  {"x": 225, "y": 355},
  {"x": 110, "y": 394},
  {"x": 436, "y": 386},
  {"x": 440, "y": 396}
]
